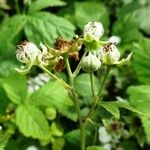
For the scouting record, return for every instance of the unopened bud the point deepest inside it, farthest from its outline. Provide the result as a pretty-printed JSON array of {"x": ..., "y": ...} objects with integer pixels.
[{"x": 90, "y": 63}]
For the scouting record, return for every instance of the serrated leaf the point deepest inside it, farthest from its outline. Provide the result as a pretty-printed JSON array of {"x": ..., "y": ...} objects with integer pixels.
[
  {"x": 90, "y": 11},
  {"x": 94, "y": 148},
  {"x": 10, "y": 33},
  {"x": 32, "y": 122},
  {"x": 141, "y": 60},
  {"x": 46, "y": 27},
  {"x": 140, "y": 99},
  {"x": 128, "y": 106},
  {"x": 41, "y": 4},
  {"x": 54, "y": 95},
  {"x": 83, "y": 85},
  {"x": 15, "y": 87},
  {"x": 110, "y": 107}
]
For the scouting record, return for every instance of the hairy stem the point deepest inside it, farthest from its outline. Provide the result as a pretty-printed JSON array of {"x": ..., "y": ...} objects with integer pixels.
[
  {"x": 62, "y": 82},
  {"x": 92, "y": 85},
  {"x": 96, "y": 98},
  {"x": 76, "y": 103},
  {"x": 79, "y": 65}
]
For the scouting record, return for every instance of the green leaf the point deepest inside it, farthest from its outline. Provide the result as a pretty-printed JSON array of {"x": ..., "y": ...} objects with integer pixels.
[
  {"x": 3, "y": 101},
  {"x": 54, "y": 95},
  {"x": 141, "y": 60},
  {"x": 73, "y": 136},
  {"x": 3, "y": 140},
  {"x": 56, "y": 130},
  {"x": 32, "y": 122},
  {"x": 90, "y": 11},
  {"x": 58, "y": 144},
  {"x": 83, "y": 85},
  {"x": 46, "y": 27},
  {"x": 15, "y": 87},
  {"x": 94, "y": 148},
  {"x": 140, "y": 99},
  {"x": 10, "y": 33},
  {"x": 130, "y": 28},
  {"x": 110, "y": 107},
  {"x": 41, "y": 4},
  {"x": 7, "y": 67},
  {"x": 137, "y": 13}
]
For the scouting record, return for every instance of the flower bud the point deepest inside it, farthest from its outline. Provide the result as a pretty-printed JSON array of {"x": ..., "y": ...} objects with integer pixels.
[
  {"x": 27, "y": 52},
  {"x": 109, "y": 54},
  {"x": 90, "y": 63},
  {"x": 114, "y": 39},
  {"x": 94, "y": 29},
  {"x": 50, "y": 113}
]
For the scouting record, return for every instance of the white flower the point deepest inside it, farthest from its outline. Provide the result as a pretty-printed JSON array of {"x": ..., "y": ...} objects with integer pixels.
[
  {"x": 27, "y": 52},
  {"x": 109, "y": 54},
  {"x": 114, "y": 39},
  {"x": 104, "y": 137},
  {"x": 32, "y": 147},
  {"x": 35, "y": 83},
  {"x": 107, "y": 146},
  {"x": 0, "y": 127},
  {"x": 94, "y": 29}
]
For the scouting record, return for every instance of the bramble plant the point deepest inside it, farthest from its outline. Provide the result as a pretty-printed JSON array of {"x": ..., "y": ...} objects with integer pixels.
[{"x": 97, "y": 54}]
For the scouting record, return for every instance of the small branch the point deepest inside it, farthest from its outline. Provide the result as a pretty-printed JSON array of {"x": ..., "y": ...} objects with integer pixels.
[
  {"x": 63, "y": 83},
  {"x": 96, "y": 98},
  {"x": 79, "y": 65},
  {"x": 70, "y": 75},
  {"x": 76, "y": 103},
  {"x": 104, "y": 80},
  {"x": 92, "y": 84},
  {"x": 17, "y": 6}
]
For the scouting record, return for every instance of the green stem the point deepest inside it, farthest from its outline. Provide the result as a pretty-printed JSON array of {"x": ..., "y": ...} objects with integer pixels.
[
  {"x": 79, "y": 65},
  {"x": 64, "y": 84},
  {"x": 104, "y": 80},
  {"x": 70, "y": 75},
  {"x": 96, "y": 101},
  {"x": 76, "y": 103},
  {"x": 17, "y": 6},
  {"x": 92, "y": 84}
]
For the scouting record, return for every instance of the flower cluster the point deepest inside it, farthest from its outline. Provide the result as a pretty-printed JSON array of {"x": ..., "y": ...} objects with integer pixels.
[{"x": 99, "y": 52}]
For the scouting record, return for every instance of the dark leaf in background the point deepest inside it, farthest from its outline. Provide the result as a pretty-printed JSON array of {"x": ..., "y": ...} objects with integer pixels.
[{"x": 41, "y": 4}]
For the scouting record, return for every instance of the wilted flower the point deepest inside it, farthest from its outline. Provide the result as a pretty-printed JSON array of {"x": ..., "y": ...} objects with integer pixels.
[
  {"x": 27, "y": 52},
  {"x": 90, "y": 63},
  {"x": 94, "y": 30}
]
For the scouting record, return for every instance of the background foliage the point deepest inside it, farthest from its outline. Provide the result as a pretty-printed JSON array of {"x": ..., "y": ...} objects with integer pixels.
[{"x": 49, "y": 110}]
